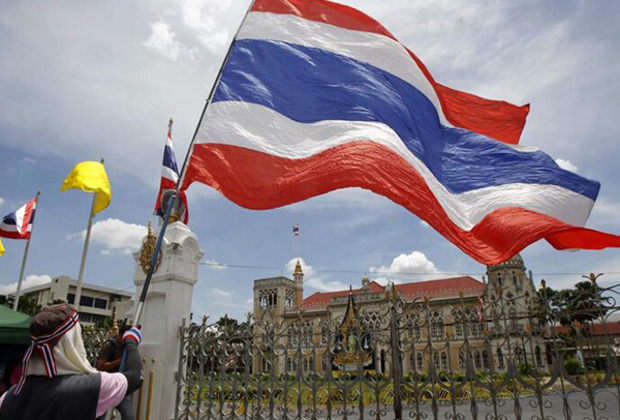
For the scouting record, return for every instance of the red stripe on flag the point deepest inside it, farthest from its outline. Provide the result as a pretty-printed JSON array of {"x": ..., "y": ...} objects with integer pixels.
[
  {"x": 259, "y": 181},
  {"x": 500, "y": 120},
  {"x": 325, "y": 12},
  {"x": 496, "y": 119}
]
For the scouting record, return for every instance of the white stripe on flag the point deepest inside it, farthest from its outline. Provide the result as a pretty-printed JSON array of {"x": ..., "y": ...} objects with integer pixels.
[{"x": 259, "y": 128}]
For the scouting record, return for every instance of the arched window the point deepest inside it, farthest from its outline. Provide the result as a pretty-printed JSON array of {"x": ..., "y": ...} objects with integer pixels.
[
  {"x": 324, "y": 334},
  {"x": 436, "y": 359},
  {"x": 458, "y": 323},
  {"x": 289, "y": 298},
  {"x": 444, "y": 361},
  {"x": 420, "y": 361},
  {"x": 437, "y": 326},
  {"x": 538, "y": 356},
  {"x": 478, "y": 360},
  {"x": 412, "y": 361},
  {"x": 519, "y": 355},
  {"x": 306, "y": 364},
  {"x": 307, "y": 334},
  {"x": 485, "y": 359},
  {"x": 462, "y": 359},
  {"x": 289, "y": 364},
  {"x": 500, "y": 358},
  {"x": 499, "y": 279},
  {"x": 515, "y": 281}
]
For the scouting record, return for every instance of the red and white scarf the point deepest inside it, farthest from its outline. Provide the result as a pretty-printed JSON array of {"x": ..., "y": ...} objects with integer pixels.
[{"x": 42, "y": 345}]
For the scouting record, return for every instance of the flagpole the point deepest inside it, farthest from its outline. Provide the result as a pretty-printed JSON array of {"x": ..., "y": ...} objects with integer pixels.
[
  {"x": 173, "y": 197},
  {"x": 25, "y": 258},
  {"x": 80, "y": 281}
]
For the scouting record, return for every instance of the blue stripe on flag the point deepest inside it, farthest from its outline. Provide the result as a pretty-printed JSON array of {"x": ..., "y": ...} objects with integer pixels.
[
  {"x": 170, "y": 160},
  {"x": 310, "y": 85},
  {"x": 10, "y": 219}
]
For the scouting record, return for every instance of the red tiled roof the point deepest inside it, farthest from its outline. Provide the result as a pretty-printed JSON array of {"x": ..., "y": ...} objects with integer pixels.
[
  {"x": 434, "y": 289},
  {"x": 611, "y": 328}
]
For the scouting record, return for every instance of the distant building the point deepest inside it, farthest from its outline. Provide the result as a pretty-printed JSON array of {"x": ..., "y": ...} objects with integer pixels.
[
  {"x": 96, "y": 302},
  {"x": 455, "y": 308}
]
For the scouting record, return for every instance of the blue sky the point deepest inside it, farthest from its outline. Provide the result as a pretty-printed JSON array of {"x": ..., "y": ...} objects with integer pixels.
[{"x": 79, "y": 81}]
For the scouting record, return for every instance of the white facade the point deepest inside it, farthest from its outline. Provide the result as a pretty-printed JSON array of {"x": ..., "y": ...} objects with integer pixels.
[{"x": 97, "y": 302}]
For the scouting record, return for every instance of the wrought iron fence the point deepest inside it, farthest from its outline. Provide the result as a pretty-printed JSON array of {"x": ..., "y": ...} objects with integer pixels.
[
  {"x": 539, "y": 356},
  {"x": 94, "y": 337}
]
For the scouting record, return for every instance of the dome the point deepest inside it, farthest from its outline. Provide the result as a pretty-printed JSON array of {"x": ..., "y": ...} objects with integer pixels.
[{"x": 514, "y": 262}]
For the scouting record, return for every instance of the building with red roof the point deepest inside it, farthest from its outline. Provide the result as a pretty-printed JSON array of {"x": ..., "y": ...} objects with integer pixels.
[{"x": 445, "y": 309}]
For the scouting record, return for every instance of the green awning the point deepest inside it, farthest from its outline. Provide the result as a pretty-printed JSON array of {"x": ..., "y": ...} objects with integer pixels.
[{"x": 14, "y": 326}]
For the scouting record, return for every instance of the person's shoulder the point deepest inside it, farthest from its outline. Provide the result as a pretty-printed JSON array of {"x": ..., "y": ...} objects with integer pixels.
[{"x": 70, "y": 383}]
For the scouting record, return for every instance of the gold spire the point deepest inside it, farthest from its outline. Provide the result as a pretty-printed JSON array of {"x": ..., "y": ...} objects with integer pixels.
[{"x": 298, "y": 271}]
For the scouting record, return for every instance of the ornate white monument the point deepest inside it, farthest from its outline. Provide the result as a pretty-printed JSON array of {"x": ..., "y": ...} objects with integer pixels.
[{"x": 168, "y": 303}]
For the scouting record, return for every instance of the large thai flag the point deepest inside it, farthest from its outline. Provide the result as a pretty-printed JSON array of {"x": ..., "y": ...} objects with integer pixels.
[
  {"x": 317, "y": 96},
  {"x": 169, "y": 178},
  {"x": 18, "y": 225}
]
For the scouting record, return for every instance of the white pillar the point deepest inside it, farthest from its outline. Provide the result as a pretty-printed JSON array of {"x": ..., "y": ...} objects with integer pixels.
[{"x": 168, "y": 302}]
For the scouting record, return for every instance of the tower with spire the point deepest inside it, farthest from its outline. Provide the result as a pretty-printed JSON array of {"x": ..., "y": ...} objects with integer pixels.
[{"x": 298, "y": 279}]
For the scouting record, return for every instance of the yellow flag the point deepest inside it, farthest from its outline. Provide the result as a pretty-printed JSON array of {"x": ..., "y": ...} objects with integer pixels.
[
  {"x": 90, "y": 177},
  {"x": 1, "y": 248}
]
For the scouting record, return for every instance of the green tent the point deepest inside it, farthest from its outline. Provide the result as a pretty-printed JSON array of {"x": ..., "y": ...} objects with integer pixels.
[{"x": 14, "y": 327}]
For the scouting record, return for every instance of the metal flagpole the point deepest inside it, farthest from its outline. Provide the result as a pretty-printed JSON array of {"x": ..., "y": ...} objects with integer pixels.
[
  {"x": 80, "y": 282},
  {"x": 23, "y": 268},
  {"x": 173, "y": 197}
]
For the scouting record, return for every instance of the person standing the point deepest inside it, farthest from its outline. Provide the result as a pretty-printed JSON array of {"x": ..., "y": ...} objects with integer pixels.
[
  {"x": 109, "y": 360},
  {"x": 58, "y": 382}
]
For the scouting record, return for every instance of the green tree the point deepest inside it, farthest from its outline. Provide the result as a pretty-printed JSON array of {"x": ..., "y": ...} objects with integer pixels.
[{"x": 583, "y": 303}]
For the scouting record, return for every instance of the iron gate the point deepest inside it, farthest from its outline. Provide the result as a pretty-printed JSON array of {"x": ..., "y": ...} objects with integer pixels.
[{"x": 510, "y": 357}]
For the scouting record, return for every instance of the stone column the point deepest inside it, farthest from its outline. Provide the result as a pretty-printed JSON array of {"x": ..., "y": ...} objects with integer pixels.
[{"x": 168, "y": 302}]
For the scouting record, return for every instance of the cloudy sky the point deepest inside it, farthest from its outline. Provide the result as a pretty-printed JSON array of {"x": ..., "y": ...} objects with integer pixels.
[{"x": 85, "y": 80}]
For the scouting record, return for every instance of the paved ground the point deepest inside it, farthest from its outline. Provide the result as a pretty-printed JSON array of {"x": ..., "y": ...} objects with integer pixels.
[
  {"x": 577, "y": 407},
  {"x": 606, "y": 407}
]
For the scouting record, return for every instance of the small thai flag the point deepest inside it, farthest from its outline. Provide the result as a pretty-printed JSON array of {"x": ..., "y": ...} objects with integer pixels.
[
  {"x": 18, "y": 225},
  {"x": 169, "y": 178},
  {"x": 296, "y": 229}
]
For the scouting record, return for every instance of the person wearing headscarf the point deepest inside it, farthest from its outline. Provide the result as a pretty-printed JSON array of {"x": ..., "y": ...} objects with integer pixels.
[{"x": 58, "y": 382}]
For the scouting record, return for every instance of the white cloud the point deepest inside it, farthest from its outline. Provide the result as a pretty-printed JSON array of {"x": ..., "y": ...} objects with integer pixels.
[
  {"x": 404, "y": 264},
  {"x": 201, "y": 17},
  {"x": 567, "y": 165},
  {"x": 1, "y": 201},
  {"x": 214, "y": 265},
  {"x": 29, "y": 160},
  {"x": 163, "y": 41},
  {"x": 30, "y": 281},
  {"x": 220, "y": 292},
  {"x": 115, "y": 235},
  {"x": 326, "y": 286}
]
